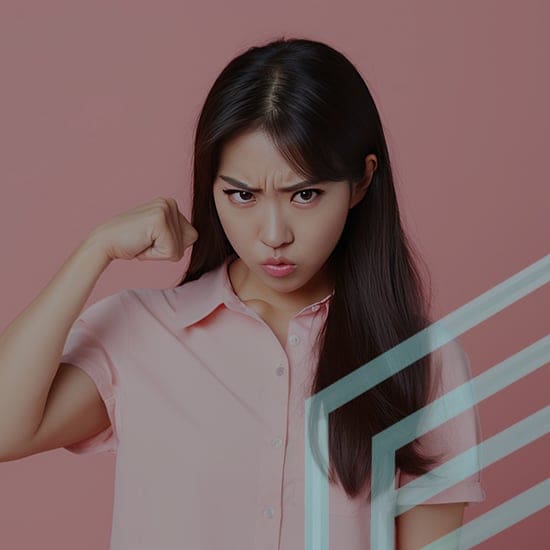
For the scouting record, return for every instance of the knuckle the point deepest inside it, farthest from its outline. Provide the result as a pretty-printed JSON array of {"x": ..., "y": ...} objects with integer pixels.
[
  {"x": 162, "y": 209},
  {"x": 164, "y": 203}
]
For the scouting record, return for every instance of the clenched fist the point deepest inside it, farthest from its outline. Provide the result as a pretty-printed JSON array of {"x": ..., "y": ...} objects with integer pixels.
[{"x": 156, "y": 230}]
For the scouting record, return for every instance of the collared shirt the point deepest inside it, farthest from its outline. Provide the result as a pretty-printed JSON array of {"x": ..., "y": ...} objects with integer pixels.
[{"x": 207, "y": 420}]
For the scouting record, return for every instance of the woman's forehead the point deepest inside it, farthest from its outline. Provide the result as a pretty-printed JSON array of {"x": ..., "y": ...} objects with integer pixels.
[{"x": 255, "y": 151}]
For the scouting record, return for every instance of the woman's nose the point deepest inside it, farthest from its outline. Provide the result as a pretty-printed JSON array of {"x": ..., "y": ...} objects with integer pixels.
[{"x": 275, "y": 230}]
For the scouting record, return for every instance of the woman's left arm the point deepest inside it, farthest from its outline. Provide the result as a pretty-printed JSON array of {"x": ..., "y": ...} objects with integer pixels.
[{"x": 427, "y": 522}]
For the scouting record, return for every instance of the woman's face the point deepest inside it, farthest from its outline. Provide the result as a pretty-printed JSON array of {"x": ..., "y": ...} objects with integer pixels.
[{"x": 303, "y": 226}]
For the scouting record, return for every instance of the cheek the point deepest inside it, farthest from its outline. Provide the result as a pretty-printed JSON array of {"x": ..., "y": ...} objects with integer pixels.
[
  {"x": 235, "y": 229},
  {"x": 328, "y": 227}
]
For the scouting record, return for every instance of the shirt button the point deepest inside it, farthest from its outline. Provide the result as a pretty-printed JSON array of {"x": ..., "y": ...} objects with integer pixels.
[
  {"x": 293, "y": 339},
  {"x": 315, "y": 307},
  {"x": 280, "y": 371},
  {"x": 277, "y": 442},
  {"x": 269, "y": 512}
]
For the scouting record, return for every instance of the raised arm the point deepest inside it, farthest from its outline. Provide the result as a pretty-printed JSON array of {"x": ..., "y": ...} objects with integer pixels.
[
  {"x": 45, "y": 404},
  {"x": 31, "y": 346}
]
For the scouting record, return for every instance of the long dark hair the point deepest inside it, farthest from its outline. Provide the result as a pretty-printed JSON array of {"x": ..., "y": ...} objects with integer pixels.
[{"x": 318, "y": 111}]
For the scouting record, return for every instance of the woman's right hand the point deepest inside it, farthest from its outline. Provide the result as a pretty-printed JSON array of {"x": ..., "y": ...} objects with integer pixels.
[{"x": 156, "y": 230}]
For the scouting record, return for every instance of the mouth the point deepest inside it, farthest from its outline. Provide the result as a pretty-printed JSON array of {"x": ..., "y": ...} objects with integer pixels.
[
  {"x": 279, "y": 270},
  {"x": 278, "y": 261}
]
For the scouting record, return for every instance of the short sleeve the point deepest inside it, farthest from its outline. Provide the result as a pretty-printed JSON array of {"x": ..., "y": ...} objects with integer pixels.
[
  {"x": 450, "y": 369},
  {"x": 96, "y": 344}
]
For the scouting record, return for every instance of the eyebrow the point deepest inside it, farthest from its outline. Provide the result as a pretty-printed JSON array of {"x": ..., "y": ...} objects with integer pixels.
[{"x": 289, "y": 189}]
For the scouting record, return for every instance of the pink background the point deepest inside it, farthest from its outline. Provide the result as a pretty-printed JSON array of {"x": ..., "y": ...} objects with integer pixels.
[{"x": 97, "y": 107}]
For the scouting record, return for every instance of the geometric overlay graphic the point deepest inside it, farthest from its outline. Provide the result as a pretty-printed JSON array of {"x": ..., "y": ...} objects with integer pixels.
[{"x": 384, "y": 506}]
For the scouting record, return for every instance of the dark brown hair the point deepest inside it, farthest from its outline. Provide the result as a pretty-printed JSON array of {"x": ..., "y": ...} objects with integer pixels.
[{"x": 317, "y": 109}]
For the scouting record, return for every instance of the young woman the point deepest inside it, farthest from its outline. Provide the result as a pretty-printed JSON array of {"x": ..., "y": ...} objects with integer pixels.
[{"x": 300, "y": 273}]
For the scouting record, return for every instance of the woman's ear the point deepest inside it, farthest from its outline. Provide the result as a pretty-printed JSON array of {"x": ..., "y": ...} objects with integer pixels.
[{"x": 359, "y": 188}]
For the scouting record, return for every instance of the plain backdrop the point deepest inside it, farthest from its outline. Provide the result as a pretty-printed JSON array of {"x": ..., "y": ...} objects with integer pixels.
[{"x": 98, "y": 102}]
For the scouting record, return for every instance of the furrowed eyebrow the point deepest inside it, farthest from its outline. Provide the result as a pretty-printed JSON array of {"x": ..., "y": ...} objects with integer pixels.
[{"x": 289, "y": 189}]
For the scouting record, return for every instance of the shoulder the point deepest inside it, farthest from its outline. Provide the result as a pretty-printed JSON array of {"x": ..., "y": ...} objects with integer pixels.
[
  {"x": 159, "y": 304},
  {"x": 157, "y": 301},
  {"x": 451, "y": 365},
  {"x": 155, "y": 298},
  {"x": 110, "y": 307},
  {"x": 453, "y": 350}
]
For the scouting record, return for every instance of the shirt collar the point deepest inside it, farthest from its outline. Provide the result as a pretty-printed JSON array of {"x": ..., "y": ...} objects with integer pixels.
[{"x": 202, "y": 296}]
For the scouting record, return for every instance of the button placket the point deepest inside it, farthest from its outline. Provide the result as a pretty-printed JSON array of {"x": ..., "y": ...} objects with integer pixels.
[
  {"x": 280, "y": 370},
  {"x": 294, "y": 340},
  {"x": 269, "y": 512},
  {"x": 272, "y": 456}
]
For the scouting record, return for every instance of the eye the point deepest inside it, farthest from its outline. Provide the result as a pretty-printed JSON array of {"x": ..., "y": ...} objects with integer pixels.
[
  {"x": 231, "y": 192},
  {"x": 318, "y": 192},
  {"x": 307, "y": 192}
]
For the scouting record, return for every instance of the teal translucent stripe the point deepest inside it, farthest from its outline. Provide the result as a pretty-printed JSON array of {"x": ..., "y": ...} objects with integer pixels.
[
  {"x": 465, "y": 464},
  {"x": 318, "y": 406},
  {"x": 496, "y": 520}
]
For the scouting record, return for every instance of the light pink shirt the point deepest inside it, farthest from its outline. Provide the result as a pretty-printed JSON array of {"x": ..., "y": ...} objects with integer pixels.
[{"x": 207, "y": 415}]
